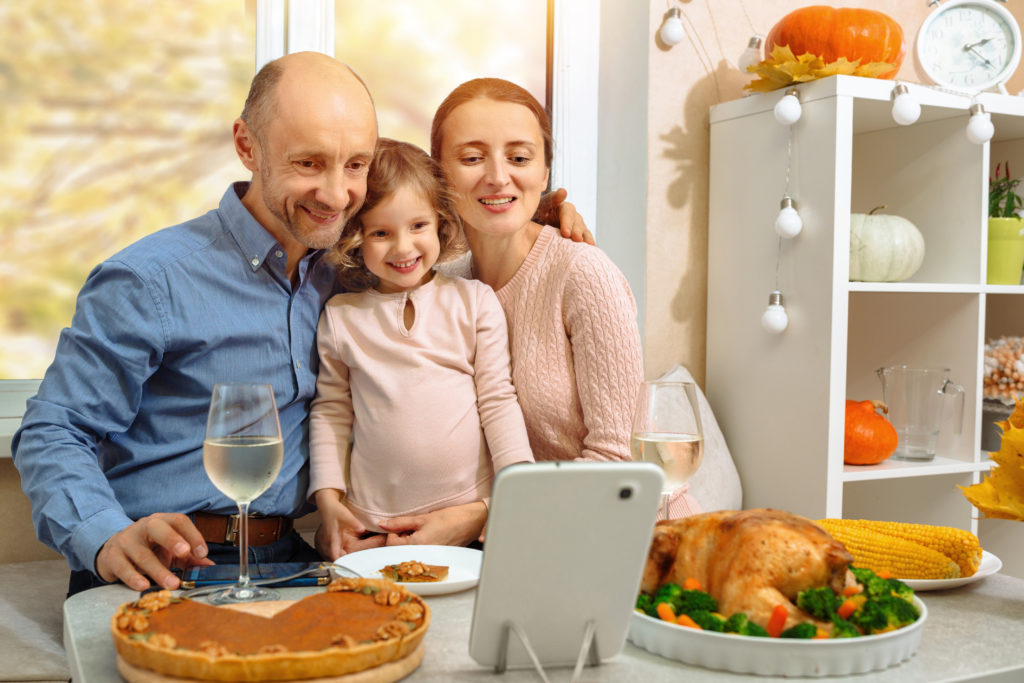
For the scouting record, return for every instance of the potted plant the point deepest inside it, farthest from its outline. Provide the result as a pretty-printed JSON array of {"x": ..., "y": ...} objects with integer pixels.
[{"x": 1005, "y": 228}]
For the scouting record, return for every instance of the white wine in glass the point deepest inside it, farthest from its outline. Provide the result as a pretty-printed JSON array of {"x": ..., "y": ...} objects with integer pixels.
[
  {"x": 242, "y": 455},
  {"x": 667, "y": 432}
]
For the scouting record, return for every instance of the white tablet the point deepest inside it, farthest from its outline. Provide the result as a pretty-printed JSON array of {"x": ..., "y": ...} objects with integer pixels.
[{"x": 566, "y": 544}]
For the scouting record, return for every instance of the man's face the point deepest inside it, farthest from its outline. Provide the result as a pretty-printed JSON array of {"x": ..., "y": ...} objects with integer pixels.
[{"x": 311, "y": 164}]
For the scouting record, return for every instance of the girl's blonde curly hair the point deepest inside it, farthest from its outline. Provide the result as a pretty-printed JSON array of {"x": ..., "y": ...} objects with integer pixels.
[{"x": 396, "y": 164}]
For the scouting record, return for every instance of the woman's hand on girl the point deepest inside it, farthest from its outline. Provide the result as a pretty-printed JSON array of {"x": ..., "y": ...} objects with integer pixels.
[{"x": 456, "y": 525}]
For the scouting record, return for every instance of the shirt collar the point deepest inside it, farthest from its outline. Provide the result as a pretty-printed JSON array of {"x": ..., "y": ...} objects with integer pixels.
[{"x": 253, "y": 240}]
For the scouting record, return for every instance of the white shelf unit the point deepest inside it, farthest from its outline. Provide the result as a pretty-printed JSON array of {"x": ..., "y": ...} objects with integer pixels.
[{"x": 780, "y": 399}]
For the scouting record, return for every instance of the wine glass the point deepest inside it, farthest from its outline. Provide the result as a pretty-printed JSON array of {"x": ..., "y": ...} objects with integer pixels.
[
  {"x": 242, "y": 455},
  {"x": 667, "y": 432}
]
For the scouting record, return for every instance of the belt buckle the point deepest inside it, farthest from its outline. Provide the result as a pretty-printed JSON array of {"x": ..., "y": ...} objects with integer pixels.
[{"x": 231, "y": 535}]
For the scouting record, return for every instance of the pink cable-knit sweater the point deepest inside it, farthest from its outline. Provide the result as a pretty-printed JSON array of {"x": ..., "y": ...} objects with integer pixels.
[
  {"x": 576, "y": 357},
  {"x": 431, "y": 408}
]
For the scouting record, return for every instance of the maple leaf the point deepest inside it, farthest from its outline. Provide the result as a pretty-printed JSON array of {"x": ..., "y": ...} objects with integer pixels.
[
  {"x": 783, "y": 68},
  {"x": 1001, "y": 494}
]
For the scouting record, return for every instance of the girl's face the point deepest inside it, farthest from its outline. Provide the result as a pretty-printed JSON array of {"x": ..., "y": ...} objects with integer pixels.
[
  {"x": 400, "y": 243},
  {"x": 493, "y": 153}
]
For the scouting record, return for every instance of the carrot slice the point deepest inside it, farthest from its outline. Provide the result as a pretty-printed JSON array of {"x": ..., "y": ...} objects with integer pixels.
[
  {"x": 685, "y": 620},
  {"x": 777, "y": 621},
  {"x": 665, "y": 612},
  {"x": 691, "y": 584},
  {"x": 852, "y": 590},
  {"x": 848, "y": 607}
]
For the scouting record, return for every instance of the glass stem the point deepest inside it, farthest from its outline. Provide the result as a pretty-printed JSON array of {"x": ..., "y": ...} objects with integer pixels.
[
  {"x": 664, "y": 505},
  {"x": 243, "y": 544}
]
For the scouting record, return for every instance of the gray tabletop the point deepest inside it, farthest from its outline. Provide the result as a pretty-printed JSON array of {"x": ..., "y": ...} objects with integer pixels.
[{"x": 975, "y": 632}]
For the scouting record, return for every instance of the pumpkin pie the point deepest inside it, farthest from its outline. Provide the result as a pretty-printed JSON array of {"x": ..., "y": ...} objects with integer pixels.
[{"x": 353, "y": 626}]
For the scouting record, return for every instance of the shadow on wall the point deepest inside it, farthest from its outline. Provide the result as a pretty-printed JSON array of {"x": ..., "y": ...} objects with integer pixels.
[{"x": 687, "y": 146}]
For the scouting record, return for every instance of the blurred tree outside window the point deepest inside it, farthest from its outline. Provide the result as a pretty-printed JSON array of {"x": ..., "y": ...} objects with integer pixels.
[
  {"x": 412, "y": 53},
  {"x": 116, "y": 121}
]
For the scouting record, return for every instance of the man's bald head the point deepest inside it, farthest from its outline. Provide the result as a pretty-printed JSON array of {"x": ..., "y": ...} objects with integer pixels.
[{"x": 296, "y": 71}]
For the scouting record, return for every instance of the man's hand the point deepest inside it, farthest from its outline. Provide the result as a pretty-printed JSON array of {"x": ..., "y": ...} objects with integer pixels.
[
  {"x": 554, "y": 210},
  {"x": 457, "y": 525},
  {"x": 148, "y": 548}
]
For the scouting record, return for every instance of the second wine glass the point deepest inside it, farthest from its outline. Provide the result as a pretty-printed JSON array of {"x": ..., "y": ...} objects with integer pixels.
[
  {"x": 242, "y": 455},
  {"x": 667, "y": 432}
]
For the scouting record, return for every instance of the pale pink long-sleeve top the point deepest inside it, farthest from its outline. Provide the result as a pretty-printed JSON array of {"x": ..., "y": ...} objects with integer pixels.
[
  {"x": 431, "y": 409},
  {"x": 576, "y": 354}
]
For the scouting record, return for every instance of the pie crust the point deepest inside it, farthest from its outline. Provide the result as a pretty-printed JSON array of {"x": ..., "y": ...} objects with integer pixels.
[{"x": 352, "y": 626}]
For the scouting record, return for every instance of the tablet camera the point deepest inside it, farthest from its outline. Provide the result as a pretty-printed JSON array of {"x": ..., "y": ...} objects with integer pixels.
[{"x": 626, "y": 492}]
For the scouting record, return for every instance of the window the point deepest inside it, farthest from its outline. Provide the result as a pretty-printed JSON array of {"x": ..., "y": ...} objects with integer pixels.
[{"x": 116, "y": 122}]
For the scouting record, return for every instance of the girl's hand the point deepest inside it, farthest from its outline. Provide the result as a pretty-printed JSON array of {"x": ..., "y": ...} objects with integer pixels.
[
  {"x": 340, "y": 532},
  {"x": 456, "y": 525}
]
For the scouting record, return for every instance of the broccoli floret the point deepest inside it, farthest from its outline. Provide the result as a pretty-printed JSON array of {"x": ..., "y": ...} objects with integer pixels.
[
  {"x": 884, "y": 613},
  {"x": 683, "y": 601},
  {"x": 804, "y": 630},
  {"x": 819, "y": 602},
  {"x": 645, "y": 603},
  {"x": 900, "y": 589},
  {"x": 708, "y": 620},
  {"x": 841, "y": 628},
  {"x": 696, "y": 601},
  {"x": 741, "y": 624}
]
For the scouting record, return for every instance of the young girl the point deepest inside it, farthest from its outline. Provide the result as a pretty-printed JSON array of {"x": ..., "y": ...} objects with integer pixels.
[{"x": 414, "y": 366}]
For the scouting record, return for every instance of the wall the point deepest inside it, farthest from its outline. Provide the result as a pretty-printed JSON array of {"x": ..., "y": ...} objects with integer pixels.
[{"x": 684, "y": 81}]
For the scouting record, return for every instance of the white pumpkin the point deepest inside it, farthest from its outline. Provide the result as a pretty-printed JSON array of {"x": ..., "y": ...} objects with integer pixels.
[{"x": 884, "y": 248}]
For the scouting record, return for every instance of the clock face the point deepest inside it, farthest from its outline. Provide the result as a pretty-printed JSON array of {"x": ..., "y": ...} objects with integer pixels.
[{"x": 969, "y": 44}]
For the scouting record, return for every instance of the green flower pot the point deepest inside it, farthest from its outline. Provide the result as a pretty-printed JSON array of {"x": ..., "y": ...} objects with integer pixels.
[{"x": 1005, "y": 250}]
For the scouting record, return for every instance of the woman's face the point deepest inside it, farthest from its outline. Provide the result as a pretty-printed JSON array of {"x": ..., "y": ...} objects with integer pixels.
[{"x": 493, "y": 153}]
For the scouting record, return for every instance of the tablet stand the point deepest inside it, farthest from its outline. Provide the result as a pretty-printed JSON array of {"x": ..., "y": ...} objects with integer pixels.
[{"x": 588, "y": 650}]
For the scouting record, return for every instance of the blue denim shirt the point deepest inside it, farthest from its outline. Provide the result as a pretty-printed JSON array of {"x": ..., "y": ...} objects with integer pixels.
[{"x": 116, "y": 430}]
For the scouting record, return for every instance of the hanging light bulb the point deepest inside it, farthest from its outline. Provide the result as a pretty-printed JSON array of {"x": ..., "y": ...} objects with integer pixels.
[
  {"x": 788, "y": 109},
  {"x": 788, "y": 223},
  {"x": 979, "y": 126},
  {"x": 905, "y": 107},
  {"x": 752, "y": 55},
  {"x": 672, "y": 31},
  {"x": 774, "y": 320}
]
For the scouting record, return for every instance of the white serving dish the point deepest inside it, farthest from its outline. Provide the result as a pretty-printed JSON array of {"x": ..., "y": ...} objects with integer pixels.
[{"x": 777, "y": 656}]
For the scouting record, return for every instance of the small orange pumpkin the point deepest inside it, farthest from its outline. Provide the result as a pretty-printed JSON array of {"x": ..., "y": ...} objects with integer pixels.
[
  {"x": 869, "y": 437},
  {"x": 831, "y": 33}
]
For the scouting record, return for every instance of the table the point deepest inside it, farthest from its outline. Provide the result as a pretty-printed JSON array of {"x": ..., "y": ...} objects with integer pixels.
[{"x": 975, "y": 632}]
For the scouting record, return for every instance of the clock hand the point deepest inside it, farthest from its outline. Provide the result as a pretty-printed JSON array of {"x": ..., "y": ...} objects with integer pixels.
[
  {"x": 970, "y": 46},
  {"x": 983, "y": 58}
]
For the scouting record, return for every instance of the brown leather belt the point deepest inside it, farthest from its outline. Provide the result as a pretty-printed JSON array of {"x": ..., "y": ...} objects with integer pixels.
[{"x": 224, "y": 528}]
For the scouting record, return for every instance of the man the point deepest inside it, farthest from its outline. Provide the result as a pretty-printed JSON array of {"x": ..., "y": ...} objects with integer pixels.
[
  {"x": 114, "y": 436},
  {"x": 110, "y": 449}
]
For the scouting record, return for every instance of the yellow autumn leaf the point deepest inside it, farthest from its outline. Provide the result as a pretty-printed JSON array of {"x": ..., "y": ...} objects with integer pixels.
[
  {"x": 783, "y": 68},
  {"x": 1001, "y": 494}
]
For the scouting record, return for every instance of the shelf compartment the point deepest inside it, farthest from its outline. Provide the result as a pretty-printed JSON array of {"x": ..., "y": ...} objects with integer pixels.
[{"x": 895, "y": 469}]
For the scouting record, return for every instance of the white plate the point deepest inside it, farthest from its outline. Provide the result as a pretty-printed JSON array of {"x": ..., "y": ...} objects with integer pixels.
[
  {"x": 777, "y": 656},
  {"x": 990, "y": 564},
  {"x": 463, "y": 565}
]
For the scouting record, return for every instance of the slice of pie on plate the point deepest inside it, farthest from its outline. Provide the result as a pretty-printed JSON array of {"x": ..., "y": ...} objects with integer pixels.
[
  {"x": 352, "y": 626},
  {"x": 415, "y": 572}
]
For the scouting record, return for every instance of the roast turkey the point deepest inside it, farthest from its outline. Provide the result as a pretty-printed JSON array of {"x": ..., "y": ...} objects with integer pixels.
[{"x": 749, "y": 560}]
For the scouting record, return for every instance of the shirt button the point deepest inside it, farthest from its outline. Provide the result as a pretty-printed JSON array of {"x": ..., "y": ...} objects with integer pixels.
[
  {"x": 278, "y": 253},
  {"x": 255, "y": 262},
  {"x": 298, "y": 364}
]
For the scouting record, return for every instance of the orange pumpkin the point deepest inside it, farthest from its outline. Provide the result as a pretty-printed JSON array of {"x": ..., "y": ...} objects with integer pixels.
[
  {"x": 831, "y": 33},
  {"x": 869, "y": 437}
]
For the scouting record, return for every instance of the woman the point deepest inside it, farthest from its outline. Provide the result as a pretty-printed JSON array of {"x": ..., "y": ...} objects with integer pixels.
[{"x": 576, "y": 358}]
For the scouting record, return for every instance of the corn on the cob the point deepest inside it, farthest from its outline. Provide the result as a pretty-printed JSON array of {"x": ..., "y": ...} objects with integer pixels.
[
  {"x": 959, "y": 545},
  {"x": 880, "y": 552}
]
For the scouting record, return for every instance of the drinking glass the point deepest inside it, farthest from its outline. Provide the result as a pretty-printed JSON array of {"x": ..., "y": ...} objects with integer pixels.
[
  {"x": 667, "y": 432},
  {"x": 242, "y": 456}
]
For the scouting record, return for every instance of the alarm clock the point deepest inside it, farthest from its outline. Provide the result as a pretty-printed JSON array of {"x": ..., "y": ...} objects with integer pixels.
[{"x": 970, "y": 45}]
